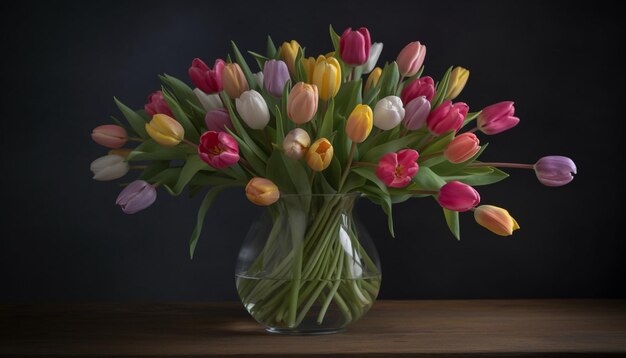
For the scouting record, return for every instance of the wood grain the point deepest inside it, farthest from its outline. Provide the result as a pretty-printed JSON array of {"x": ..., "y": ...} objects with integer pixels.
[{"x": 391, "y": 328}]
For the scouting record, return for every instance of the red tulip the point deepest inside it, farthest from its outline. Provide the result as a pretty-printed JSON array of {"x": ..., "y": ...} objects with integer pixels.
[
  {"x": 424, "y": 86},
  {"x": 354, "y": 46},
  {"x": 457, "y": 196},
  {"x": 397, "y": 169},
  {"x": 207, "y": 79},
  {"x": 157, "y": 105},
  {"x": 218, "y": 149}
]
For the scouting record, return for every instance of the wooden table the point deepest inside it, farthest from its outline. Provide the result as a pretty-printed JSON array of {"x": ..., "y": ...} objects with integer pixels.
[{"x": 391, "y": 328}]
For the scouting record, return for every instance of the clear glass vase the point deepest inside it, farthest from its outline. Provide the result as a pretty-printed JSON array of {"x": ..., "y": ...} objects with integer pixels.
[{"x": 307, "y": 266}]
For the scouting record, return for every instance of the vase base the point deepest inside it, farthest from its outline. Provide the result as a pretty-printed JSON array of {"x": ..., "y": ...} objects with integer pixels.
[{"x": 304, "y": 332}]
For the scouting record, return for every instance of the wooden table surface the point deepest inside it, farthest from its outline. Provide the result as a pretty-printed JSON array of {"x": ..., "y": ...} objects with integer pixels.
[{"x": 391, "y": 328}]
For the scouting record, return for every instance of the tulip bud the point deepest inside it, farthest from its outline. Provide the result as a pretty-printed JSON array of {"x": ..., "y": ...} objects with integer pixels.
[
  {"x": 327, "y": 77},
  {"x": 555, "y": 170},
  {"x": 375, "y": 50},
  {"x": 218, "y": 119},
  {"x": 359, "y": 124},
  {"x": 296, "y": 143},
  {"x": 396, "y": 170},
  {"x": 416, "y": 113},
  {"x": 288, "y": 53},
  {"x": 208, "y": 101},
  {"x": 253, "y": 109},
  {"x": 372, "y": 79},
  {"x": 234, "y": 81},
  {"x": 157, "y": 105},
  {"x": 462, "y": 148},
  {"x": 457, "y": 196},
  {"x": 137, "y": 196},
  {"x": 218, "y": 149},
  {"x": 259, "y": 78},
  {"x": 261, "y": 191},
  {"x": 165, "y": 130},
  {"x": 411, "y": 58},
  {"x": 458, "y": 79},
  {"x": 275, "y": 75},
  {"x": 497, "y": 118},
  {"x": 109, "y": 167},
  {"x": 496, "y": 220},
  {"x": 319, "y": 155},
  {"x": 109, "y": 135},
  {"x": 447, "y": 117},
  {"x": 388, "y": 112},
  {"x": 302, "y": 103},
  {"x": 424, "y": 86},
  {"x": 354, "y": 46},
  {"x": 309, "y": 66},
  {"x": 207, "y": 79}
]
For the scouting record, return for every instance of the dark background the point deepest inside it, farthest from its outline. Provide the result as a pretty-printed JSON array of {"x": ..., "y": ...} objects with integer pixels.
[{"x": 63, "y": 239}]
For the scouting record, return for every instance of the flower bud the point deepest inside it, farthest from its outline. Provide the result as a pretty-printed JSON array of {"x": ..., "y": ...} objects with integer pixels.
[
  {"x": 327, "y": 77},
  {"x": 302, "y": 103},
  {"x": 253, "y": 110},
  {"x": 234, "y": 81},
  {"x": 416, "y": 113},
  {"x": 288, "y": 53},
  {"x": 424, "y": 86},
  {"x": 555, "y": 170},
  {"x": 457, "y": 196},
  {"x": 372, "y": 79},
  {"x": 354, "y": 46},
  {"x": 208, "y": 101},
  {"x": 218, "y": 119},
  {"x": 109, "y": 135},
  {"x": 447, "y": 117},
  {"x": 462, "y": 148},
  {"x": 207, "y": 79},
  {"x": 319, "y": 155},
  {"x": 109, "y": 167},
  {"x": 388, "y": 112},
  {"x": 375, "y": 50},
  {"x": 261, "y": 191},
  {"x": 296, "y": 143},
  {"x": 411, "y": 58},
  {"x": 157, "y": 104},
  {"x": 137, "y": 196},
  {"x": 218, "y": 149},
  {"x": 275, "y": 75},
  {"x": 458, "y": 79},
  {"x": 497, "y": 118},
  {"x": 359, "y": 124},
  {"x": 165, "y": 130},
  {"x": 496, "y": 220}
]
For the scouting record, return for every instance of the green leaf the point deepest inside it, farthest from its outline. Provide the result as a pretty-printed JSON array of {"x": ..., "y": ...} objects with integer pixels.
[
  {"x": 374, "y": 154},
  {"x": 241, "y": 131},
  {"x": 154, "y": 168},
  {"x": 426, "y": 179},
  {"x": 137, "y": 123},
  {"x": 326, "y": 128},
  {"x": 370, "y": 175},
  {"x": 470, "y": 117},
  {"x": 280, "y": 129},
  {"x": 260, "y": 59},
  {"x": 333, "y": 172},
  {"x": 452, "y": 219},
  {"x": 389, "y": 80},
  {"x": 439, "y": 144},
  {"x": 248, "y": 154},
  {"x": 301, "y": 75},
  {"x": 151, "y": 150},
  {"x": 204, "y": 179},
  {"x": 371, "y": 95},
  {"x": 204, "y": 207},
  {"x": 244, "y": 67},
  {"x": 184, "y": 94},
  {"x": 288, "y": 174},
  {"x": 441, "y": 88},
  {"x": 472, "y": 177},
  {"x": 334, "y": 37},
  {"x": 191, "y": 129},
  {"x": 270, "y": 48},
  {"x": 193, "y": 165},
  {"x": 166, "y": 177}
]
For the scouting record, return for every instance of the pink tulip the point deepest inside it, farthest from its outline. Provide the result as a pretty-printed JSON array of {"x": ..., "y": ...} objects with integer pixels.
[
  {"x": 157, "y": 105},
  {"x": 411, "y": 58},
  {"x": 218, "y": 119},
  {"x": 497, "y": 118},
  {"x": 462, "y": 148},
  {"x": 397, "y": 169},
  {"x": 137, "y": 196},
  {"x": 424, "y": 86},
  {"x": 457, "y": 196},
  {"x": 416, "y": 113},
  {"x": 447, "y": 117},
  {"x": 109, "y": 135},
  {"x": 207, "y": 79},
  {"x": 354, "y": 46},
  {"x": 218, "y": 149}
]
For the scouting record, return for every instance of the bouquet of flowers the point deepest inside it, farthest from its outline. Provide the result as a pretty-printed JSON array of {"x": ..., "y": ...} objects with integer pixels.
[{"x": 304, "y": 126}]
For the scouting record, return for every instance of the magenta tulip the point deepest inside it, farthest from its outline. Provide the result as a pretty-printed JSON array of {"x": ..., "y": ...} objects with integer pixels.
[
  {"x": 497, "y": 118},
  {"x": 457, "y": 196},
  {"x": 137, "y": 196},
  {"x": 447, "y": 117},
  {"x": 555, "y": 170},
  {"x": 424, "y": 86},
  {"x": 157, "y": 105},
  {"x": 354, "y": 46},
  {"x": 275, "y": 75},
  {"x": 109, "y": 135},
  {"x": 416, "y": 113},
  {"x": 218, "y": 149},
  {"x": 218, "y": 119},
  {"x": 397, "y": 169},
  {"x": 207, "y": 79},
  {"x": 411, "y": 58}
]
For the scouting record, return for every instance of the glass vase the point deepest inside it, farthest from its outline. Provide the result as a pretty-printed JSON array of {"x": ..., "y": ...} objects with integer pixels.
[{"x": 307, "y": 266}]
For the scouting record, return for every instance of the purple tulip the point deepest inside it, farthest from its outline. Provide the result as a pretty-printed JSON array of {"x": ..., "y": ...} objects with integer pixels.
[
  {"x": 275, "y": 75},
  {"x": 416, "y": 113},
  {"x": 555, "y": 170},
  {"x": 218, "y": 119},
  {"x": 137, "y": 196}
]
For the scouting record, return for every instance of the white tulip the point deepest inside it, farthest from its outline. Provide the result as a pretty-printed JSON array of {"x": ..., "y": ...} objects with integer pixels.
[
  {"x": 253, "y": 109},
  {"x": 109, "y": 167},
  {"x": 388, "y": 112},
  {"x": 296, "y": 143},
  {"x": 208, "y": 101},
  {"x": 375, "y": 50},
  {"x": 258, "y": 77}
]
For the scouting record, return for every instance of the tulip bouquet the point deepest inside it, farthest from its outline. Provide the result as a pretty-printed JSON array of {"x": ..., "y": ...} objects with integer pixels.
[{"x": 315, "y": 125}]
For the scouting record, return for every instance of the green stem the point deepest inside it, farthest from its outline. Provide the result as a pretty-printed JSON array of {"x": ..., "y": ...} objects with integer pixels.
[
  {"x": 503, "y": 165},
  {"x": 347, "y": 170}
]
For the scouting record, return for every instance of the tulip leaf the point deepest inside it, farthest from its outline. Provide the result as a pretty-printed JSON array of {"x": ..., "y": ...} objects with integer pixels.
[
  {"x": 333, "y": 172},
  {"x": 447, "y": 168},
  {"x": 191, "y": 129},
  {"x": 208, "y": 200},
  {"x": 470, "y": 117},
  {"x": 374, "y": 154},
  {"x": 193, "y": 165},
  {"x": 326, "y": 128},
  {"x": 244, "y": 67},
  {"x": 260, "y": 59},
  {"x": 381, "y": 198},
  {"x": 241, "y": 131},
  {"x": 248, "y": 154},
  {"x": 270, "y": 48},
  {"x": 204, "y": 179},
  {"x": 151, "y": 150},
  {"x": 389, "y": 80},
  {"x": 301, "y": 75},
  {"x": 371, "y": 95},
  {"x": 409, "y": 80},
  {"x": 438, "y": 144},
  {"x": 368, "y": 173},
  {"x": 473, "y": 177},
  {"x": 334, "y": 37},
  {"x": 137, "y": 123},
  {"x": 184, "y": 94},
  {"x": 166, "y": 178},
  {"x": 441, "y": 89},
  {"x": 154, "y": 168},
  {"x": 288, "y": 174},
  {"x": 452, "y": 219},
  {"x": 280, "y": 129},
  {"x": 348, "y": 97},
  {"x": 427, "y": 180}
]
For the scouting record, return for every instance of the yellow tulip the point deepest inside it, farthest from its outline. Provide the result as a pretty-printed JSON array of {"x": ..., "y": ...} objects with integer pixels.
[
  {"x": 496, "y": 220},
  {"x": 360, "y": 122},
  {"x": 165, "y": 130},
  {"x": 288, "y": 53},
  {"x": 327, "y": 77},
  {"x": 234, "y": 81},
  {"x": 372, "y": 79},
  {"x": 262, "y": 191},
  {"x": 319, "y": 155},
  {"x": 458, "y": 79},
  {"x": 309, "y": 67}
]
